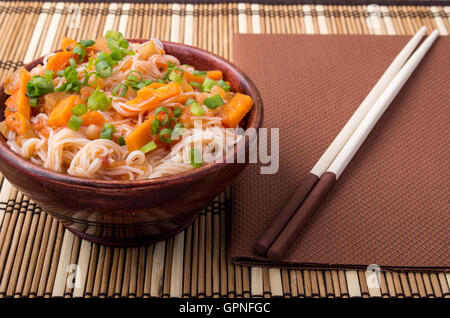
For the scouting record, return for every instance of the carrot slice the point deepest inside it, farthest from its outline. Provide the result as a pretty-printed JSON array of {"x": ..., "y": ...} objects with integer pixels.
[
  {"x": 19, "y": 101},
  {"x": 61, "y": 114},
  {"x": 215, "y": 75},
  {"x": 233, "y": 112},
  {"x": 155, "y": 96},
  {"x": 68, "y": 43},
  {"x": 59, "y": 61},
  {"x": 17, "y": 123},
  {"x": 140, "y": 136},
  {"x": 92, "y": 118}
]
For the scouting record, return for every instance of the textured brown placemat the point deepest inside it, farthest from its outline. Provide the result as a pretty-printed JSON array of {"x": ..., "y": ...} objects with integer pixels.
[
  {"x": 37, "y": 254},
  {"x": 390, "y": 206}
]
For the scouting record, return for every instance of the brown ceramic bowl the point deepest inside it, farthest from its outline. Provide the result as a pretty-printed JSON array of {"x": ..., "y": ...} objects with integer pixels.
[{"x": 137, "y": 212}]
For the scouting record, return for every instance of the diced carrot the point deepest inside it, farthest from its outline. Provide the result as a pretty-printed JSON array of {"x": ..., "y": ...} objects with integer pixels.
[
  {"x": 59, "y": 61},
  {"x": 155, "y": 96},
  {"x": 215, "y": 75},
  {"x": 68, "y": 43},
  {"x": 92, "y": 118},
  {"x": 140, "y": 136},
  {"x": 60, "y": 116},
  {"x": 186, "y": 87},
  {"x": 189, "y": 77},
  {"x": 155, "y": 85},
  {"x": 162, "y": 66},
  {"x": 217, "y": 90},
  {"x": 233, "y": 112},
  {"x": 147, "y": 50},
  {"x": 182, "y": 99},
  {"x": 17, "y": 123},
  {"x": 19, "y": 101}
]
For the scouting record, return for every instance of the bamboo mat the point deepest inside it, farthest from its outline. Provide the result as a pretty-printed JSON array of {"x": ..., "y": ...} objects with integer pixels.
[{"x": 38, "y": 256}]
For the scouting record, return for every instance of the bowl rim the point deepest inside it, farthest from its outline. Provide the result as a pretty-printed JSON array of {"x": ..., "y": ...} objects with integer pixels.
[{"x": 255, "y": 121}]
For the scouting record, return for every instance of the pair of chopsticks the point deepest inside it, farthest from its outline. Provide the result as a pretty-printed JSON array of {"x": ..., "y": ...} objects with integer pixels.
[{"x": 278, "y": 237}]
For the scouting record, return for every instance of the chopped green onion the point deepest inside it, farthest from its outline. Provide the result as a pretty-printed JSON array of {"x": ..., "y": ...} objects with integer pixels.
[
  {"x": 224, "y": 85},
  {"x": 178, "y": 130},
  {"x": 197, "y": 109},
  {"x": 138, "y": 73},
  {"x": 98, "y": 101},
  {"x": 72, "y": 62},
  {"x": 118, "y": 88},
  {"x": 110, "y": 126},
  {"x": 91, "y": 62},
  {"x": 160, "y": 81},
  {"x": 175, "y": 77},
  {"x": 155, "y": 126},
  {"x": 122, "y": 141},
  {"x": 86, "y": 43},
  {"x": 131, "y": 52},
  {"x": 208, "y": 84},
  {"x": 106, "y": 133},
  {"x": 79, "y": 109},
  {"x": 165, "y": 131},
  {"x": 33, "y": 101},
  {"x": 38, "y": 86},
  {"x": 162, "y": 109},
  {"x": 48, "y": 75},
  {"x": 74, "y": 122},
  {"x": 80, "y": 51},
  {"x": 189, "y": 101},
  {"x": 148, "y": 147},
  {"x": 87, "y": 77},
  {"x": 195, "y": 84},
  {"x": 214, "y": 101},
  {"x": 103, "y": 69},
  {"x": 199, "y": 73},
  {"x": 177, "y": 112},
  {"x": 196, "y": 158}
]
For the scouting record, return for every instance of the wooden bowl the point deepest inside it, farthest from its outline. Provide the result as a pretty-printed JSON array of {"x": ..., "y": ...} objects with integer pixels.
[{"x": 125, "y": 213}]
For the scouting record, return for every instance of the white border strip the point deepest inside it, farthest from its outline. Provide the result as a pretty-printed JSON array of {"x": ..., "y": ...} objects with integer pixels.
[
  {"x": 175, "y": 26},
  {"x": 309, "y": 23},
  {"x": 189, "y": 25},
  {"x": 439, "y": 21}
]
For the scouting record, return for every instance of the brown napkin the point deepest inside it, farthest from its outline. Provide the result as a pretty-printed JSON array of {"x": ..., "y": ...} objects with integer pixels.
[{"x": 390, "y": 206}]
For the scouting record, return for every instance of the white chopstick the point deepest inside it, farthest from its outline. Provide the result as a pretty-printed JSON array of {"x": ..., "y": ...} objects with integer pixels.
[
  {"x": 357, "y": 138},
  {"x": 339, "y": 141}
]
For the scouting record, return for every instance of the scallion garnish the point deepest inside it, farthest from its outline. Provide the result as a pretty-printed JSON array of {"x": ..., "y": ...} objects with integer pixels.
[
  {"x": 195, "y": 84},
  {"x": 103, "y": 69},
  {"x": 189, "y": 101},
  {"x": 224, "y": 85},
  {"x": 178, "y": 130},
  {"x": 159, "y": 80},
  {"x": 177, "y": 112},
  {"x": 148, "y": 147},
  {"x": 122, "y": 141},
  {"x": 199, "y": 73},
  {"x": 86, "y": 43},
  {"x": 162, "y": 109},
  {"x": 80, "y": 51},
  {"x": 33, "y": 101},
  {"x": 74, "y": 122},
  {"x": 155, "y": 126},
  {"x": 106, "y": 133},
  {"x": 208, "y": 84},
  {"x": 196, "y": 158},
  {"x": 122, "y": 92},
  {"x": 214, "y": 101},
  {"x": 98, "y": 100},
  {"x": 110, "y": 126},
  {"x": 163, "y": 132},
  {"x": 197, "y": 109},
  {"x": 79, "y": 109},
  {"x": 174, "y": 76},
  {"x": 38, "y": 86},
  {"x": 87, "y": 77}
]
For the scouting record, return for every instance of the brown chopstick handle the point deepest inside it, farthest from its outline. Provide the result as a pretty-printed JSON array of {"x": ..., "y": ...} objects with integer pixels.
[
  {"x": 275, "y": 228},
  {"x": 301, "y": 217}
]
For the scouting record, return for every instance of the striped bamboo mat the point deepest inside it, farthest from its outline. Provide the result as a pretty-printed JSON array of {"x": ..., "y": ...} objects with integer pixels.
[{"x": 38, "y": 257}]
